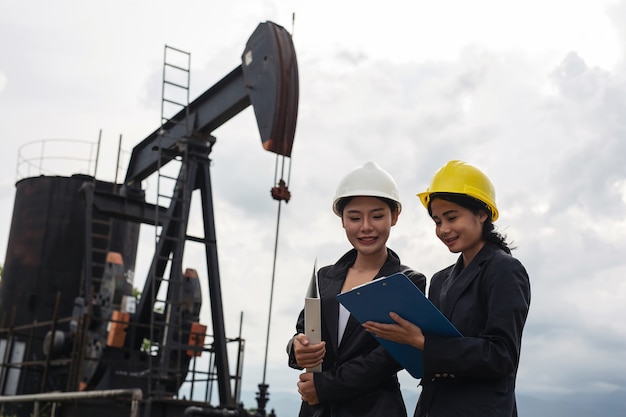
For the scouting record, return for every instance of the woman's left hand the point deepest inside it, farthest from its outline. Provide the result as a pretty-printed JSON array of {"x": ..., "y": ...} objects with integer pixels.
[
  {"x": 402, "y": 332},
  {"x": 306, "y": 388}
]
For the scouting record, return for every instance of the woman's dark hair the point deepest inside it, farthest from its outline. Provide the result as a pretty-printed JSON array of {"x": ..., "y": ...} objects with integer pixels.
[
  {"x": 475, "y": 206},
  {"x": 343, "y": 202}
]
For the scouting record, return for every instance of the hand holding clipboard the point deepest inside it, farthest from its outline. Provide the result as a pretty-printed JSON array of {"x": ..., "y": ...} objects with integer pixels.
[{"x": 374, "y": 300}]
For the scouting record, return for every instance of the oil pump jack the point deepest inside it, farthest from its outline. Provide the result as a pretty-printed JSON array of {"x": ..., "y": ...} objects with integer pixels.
[{"x": 73, "y": 337}]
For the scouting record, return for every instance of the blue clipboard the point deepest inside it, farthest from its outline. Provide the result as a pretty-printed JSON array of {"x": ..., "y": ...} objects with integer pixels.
[{"x": 374, "y": 300}]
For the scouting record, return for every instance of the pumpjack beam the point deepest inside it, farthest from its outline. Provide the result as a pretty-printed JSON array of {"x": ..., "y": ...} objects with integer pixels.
[
  {"x": 267, "y": 79},
  {"x": 128, "y": 208}
]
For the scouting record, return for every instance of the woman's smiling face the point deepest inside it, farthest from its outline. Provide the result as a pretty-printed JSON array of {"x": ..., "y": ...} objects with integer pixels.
[
  {"x": 367, "y": 222},
  {"x": 458, "y": 228}
]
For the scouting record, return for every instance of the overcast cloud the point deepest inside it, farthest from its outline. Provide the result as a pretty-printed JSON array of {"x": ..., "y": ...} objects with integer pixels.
[{"x": 532, "y": 92}]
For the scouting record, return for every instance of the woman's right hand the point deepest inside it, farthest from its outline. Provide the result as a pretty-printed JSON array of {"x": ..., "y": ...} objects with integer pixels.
[
  {"x": 402, "y": 331},
  {"x": 308, "y": 355}
]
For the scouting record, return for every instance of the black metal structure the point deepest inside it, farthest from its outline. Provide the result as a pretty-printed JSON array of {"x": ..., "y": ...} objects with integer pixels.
[{"x": 98, "y": 341}]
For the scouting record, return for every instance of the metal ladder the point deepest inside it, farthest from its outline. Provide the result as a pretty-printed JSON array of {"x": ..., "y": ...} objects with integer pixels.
[{"x": 171, "y": 191}]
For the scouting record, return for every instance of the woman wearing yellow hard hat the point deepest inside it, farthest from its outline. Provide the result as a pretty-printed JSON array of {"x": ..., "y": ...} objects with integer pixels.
[
  {"x": 358, "y": 376},
  {"x": 485, "y": 294}
]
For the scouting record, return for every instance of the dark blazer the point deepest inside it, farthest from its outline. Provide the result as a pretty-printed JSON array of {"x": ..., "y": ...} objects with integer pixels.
[
  {"x": 358, "y": 376},
  {"x": 488, "y": 302}
]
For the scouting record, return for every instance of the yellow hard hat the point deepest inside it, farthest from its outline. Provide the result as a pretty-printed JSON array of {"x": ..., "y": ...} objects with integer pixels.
[{"x": 462, "y": 178}]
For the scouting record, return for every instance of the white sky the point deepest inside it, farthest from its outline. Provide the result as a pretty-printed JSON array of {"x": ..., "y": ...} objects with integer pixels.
[{"x": 532, "y": 92}]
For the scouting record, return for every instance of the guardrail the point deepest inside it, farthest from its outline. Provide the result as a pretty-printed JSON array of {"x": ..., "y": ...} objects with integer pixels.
[{"x": 135, "y": 394}]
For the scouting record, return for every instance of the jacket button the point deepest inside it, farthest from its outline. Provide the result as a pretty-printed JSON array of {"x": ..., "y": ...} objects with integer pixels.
[{"x": 437, "y": 375}]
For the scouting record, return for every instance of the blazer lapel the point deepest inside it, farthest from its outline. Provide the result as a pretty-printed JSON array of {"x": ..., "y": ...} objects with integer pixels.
[
  {"x": 351, "y": 326},
  {"x": 447, "y": 283},
  {"x": 461, "y": 282},
  {"x": 464, "y": 279}
]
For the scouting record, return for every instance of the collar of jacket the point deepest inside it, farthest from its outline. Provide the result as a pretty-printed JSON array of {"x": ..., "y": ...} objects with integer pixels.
[
  {"x": 340, "y": 268},
  {"x": 464, "y": 277}
]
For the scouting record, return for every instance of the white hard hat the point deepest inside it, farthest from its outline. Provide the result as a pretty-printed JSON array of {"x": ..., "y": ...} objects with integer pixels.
[{"x": 370, "y": 180}]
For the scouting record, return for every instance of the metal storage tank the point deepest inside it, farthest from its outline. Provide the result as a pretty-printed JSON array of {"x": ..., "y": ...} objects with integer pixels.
[{"x": 43, "y": 272}]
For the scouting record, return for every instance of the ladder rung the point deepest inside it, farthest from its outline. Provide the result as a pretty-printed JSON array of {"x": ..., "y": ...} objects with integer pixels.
[
  {"x": 176, "y": 84},
  {"x": 169, "y": 177},
  {"x": 173, "y": 48},
  {"x": 176, "y": 66},
  {"x": 174, "y": 102},
  {"x": 169, "y": 238},
  {"x": 196, "y": 239}
]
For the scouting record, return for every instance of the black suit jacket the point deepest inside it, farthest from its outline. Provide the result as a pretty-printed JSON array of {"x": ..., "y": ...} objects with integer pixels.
[
  {"x": 488, "y": 302},
  {"x": 358, "y": 377}
]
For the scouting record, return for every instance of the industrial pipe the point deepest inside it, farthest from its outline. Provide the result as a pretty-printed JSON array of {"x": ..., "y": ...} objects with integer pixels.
[{"x": 135, "y": 394}]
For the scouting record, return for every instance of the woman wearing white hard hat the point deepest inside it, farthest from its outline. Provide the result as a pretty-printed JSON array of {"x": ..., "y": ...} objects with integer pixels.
[
  {"x": 485, "y": 294},
  {"x": 358, "y": 376}
]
